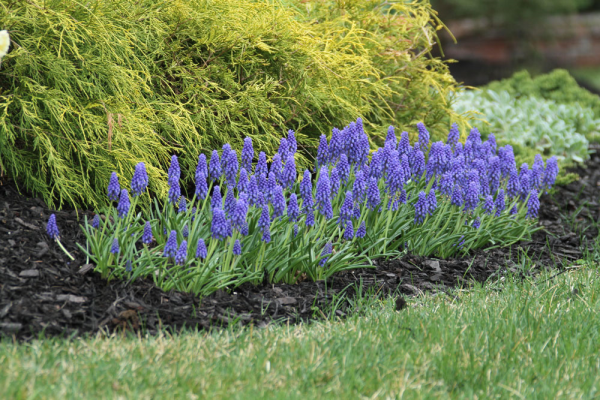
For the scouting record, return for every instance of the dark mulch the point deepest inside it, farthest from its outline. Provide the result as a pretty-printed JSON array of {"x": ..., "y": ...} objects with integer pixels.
[{"x": 41, "y": 292}]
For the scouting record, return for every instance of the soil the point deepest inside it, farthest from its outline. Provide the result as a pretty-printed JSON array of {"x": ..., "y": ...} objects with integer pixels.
[{"x": 43, "y": 294}]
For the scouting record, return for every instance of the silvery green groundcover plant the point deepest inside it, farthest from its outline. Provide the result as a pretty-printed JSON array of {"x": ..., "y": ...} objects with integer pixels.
[
  {"x": 558, "y": 129},
  {"x": 254, "y": 221}
]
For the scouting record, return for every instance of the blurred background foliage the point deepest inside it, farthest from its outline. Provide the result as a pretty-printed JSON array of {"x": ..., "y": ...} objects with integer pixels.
[{"x": 90, "y": 88}]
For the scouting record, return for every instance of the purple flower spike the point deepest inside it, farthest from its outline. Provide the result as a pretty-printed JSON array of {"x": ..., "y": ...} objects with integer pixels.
[
  {"x": 52, "y": 228},
  {"x": 295, "y": 230},
  {"x": 225, "y": 156},
  {"x": 201, "y": 168},
  {"x": 201, "y": 251},
  {"x": 237, "y": 248},
  {"x": 201, "y": 186},
  {"x": 278, "y": 202},
  {"x": 391, "y": 136},
  {"x": 376, "y": 167},
  {"x": 431, "y": 202},
  {"x": 147, "y": 236},
  {"x": 457, "y": 196},
  {"x": 174, "y": 192},
  {"x": 423, "y": 136},
  {"x": 488, "y": 205},
  {"x": 472, "y": 196},
  {"x": 421, "y": 208},
  {"x": 217, "y": 200},
  {"x": 359, "y": 188},
  {"x": 323, "y": 194},
  {"x": 247, "y": 154},
  {"x": 551, "y": 172},
  {"x": 362, "y": 230},
  {"x": 261, "y": 164},
  {"x": 418, "y": 163},
  {"x": 292, "y": 210},
  {"x": 507, "y": 159},
  {"x": 264, "y": 223},
  {"x": 499, "y": 204},
  {"x": 284, "y": 148},
  {"x": 373, "y": 195},
  {"x": 124, "y": 204},
  {"x": 230, "y": 202},
  {"x": 513, "y": 186},
  {"x": 114, "y": 248},
  {"x": 524, "y": 181},
  {"x": 453, "y": 135},
  {"x": 306, "y": 189},
  {"x": 514, "y": 210},
  {"x": 276, "y": 167},
  {"x": 174, "y": 171},
  {"x": 447, "y": 183},
  {"x": 347, "y": 209},
  {"x": 476, "y": 223},
  {"x": 336, "y": 145},
  {"x": 533, "y": 204},
  {"x": 437, "y": 160},
  {"x": 182, "y": 205},
  {"x": 181, "y": 256},
  {"x": 291, "y": 139},
  {"x": 214, "y": 166},
  {"x": 113, "y": 187},
  {"x": 404, "y": 144},
  {"x": 238, "y": 217},
  {"x": 310, "y": 217},
  {"x": 231, "y": 168},
  {"x": 334, "y": 182},
  {"x": 171, "y": 246},
  {"x": 253, "y": 192},
  {"x": 349, "y": 232},
  {"x": 219, "y": 227},
  {"x": 139, "y": 182},
  {"x": 322, "y": 152},
  {"x": 344, "y": 168},
  {"x": 327, "y": 249},
  {"x": 288, "y": 177},
  {"x": 96, "y": 221},
  {"x": 185, "y": 231}
]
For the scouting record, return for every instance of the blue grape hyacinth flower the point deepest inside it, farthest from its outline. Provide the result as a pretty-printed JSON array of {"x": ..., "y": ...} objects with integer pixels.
[
  {"x": 533, "y": 204},
  {"x": 362, "y": 230},
  {"x": 181, "y": 256},
  {"x": 349, "y": 232},
  {"x": 292, "y": 210},
  {"x": 237, "y": 248},
  {"x": 147, "y": 235},
  {"x": 214, "y": 166},
  {"x": 96, "y": 221},
  {"x": 174, "y": 171},
  {"x": 114, "y": 190},
  {"x": 114, "y": 248},
  {"x": 139, "y": 182},
  {"x": 52, "y": 228},
  {"x": 421, "y": 208},
  {"x": 247, "y": 154},
  {"x": 219, "y": 227},
  {"x": 171, "y": 245},
  {"x": 327, "y": 249},
  {"x": 124, "y": 204},
  {"x": 201, "y": 251}
]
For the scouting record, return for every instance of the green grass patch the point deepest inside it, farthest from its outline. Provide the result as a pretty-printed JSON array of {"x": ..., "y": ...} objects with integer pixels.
[{"x": 531, "y": 338}]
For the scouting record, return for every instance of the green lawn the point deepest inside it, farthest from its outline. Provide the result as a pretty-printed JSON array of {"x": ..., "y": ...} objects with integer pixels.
[{"x": 533, "y": 338}]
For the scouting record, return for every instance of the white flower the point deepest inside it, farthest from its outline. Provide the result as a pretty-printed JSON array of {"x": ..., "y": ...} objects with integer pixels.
[{"x": 4, "y": 43}]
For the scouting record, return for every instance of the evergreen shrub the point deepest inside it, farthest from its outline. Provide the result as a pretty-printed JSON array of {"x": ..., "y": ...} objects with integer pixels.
[{"x": 98, "y": 86}]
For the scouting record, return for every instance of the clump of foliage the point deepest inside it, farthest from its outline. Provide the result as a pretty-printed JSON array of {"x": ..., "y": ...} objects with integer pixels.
[
  {"x": 558, "y": 86},
  {"x": 430, "y": 198},
  {"x": 543, "y": 125},
  {"x": 98, "y": 86}
]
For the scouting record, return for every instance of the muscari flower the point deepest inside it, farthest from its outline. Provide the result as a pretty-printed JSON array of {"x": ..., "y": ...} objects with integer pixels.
[
  {"x": 472, "y": 196},
  {"x": 476, "y": 223},
  {"x": 327, "y": 249},
  {"x": 492, "y": 141},
  {"x": 96, "y": 221},
  {"x": 551, "y": 172},
  {"x": 437, "y": 160},
  {"x": 174, "y": 192},
  {"x": 359, "y": 187},
  {"x": 214, "y": 166},
  {"x": 261, "y": 164},
  {"x": 278, "y": 202},
  {"x": 201, "y": 168},
  {"x": 423, "y": 136},
  {"x": 418, "y": 163},
  {"x": 447, "y": 183},
  {"x": 219, "y": 226},
  {"x": 306, "y": 190},
  {"x": 283, "y": 148},
  {"x": 353, "y": 144},
  {"x": 174, "y": 171},
  {"x": 276, "y": 167},
  {"x": 533, "y": 204},
  {"x": 114, "y": 248},
  {"x": 310, "y": 217},
  {"x": 291, "y": 139},
  {"x": 343, "y": 168},
  {"x": 230, "y": 202},
  {"x": 524, "y": 181},
  {"x": 128, "y": 266},
  {"x": 247, "y": 154},
  {"x": 373, "y": 195},
  {"x": 499, "y": 204},
  {"x": 292, "y": 210},
  {"x": 139, "y": 182},
  {"x": 395, "y": 177},
  {"x": 288, "y": 177},
  {"x": 237, "y": 248},
  {"x": 231, "y": 168},
  {"x": 391, "y": 136},
  {"x": 404, "y": 144},
  {"x": 295, "y": 230},
  {"x": 376, "y": 167},
  {"x": 124, "y": 204},
  {"x": 201, "y": 251},
  {"x": 421, "y": 208},
  {"x": 225, "y": 156},
  {"x": 513, "y": 210},
  {"x": 336, "y": 145},
  {"x": 507, "y": 159},
  {"x": 182, "y": 205},
  {"x": 201, "y": 186},
  {"x": 181, "y": 255},
  {"x": 362, "y": 230},
  {"x": 365, "y": 147},
  {"x": 513, "y": 186},
  {"x": 457, "y": 196},
  {"x": 347, "y": 209},
  {"x": 147, "y": 235},
  {"x": 52, "y": 228},
  {"x": 216, "y": 200},
  {"x": 431, "y": 202},
  {"x": 264, "y": 223},
  {"x": 488, "y": 205},
  {"x": 270, "y": 186},
  {"x": 171, "y": 245},
  {"x": 242, "y": 185},
  {"x": 349, "y": 232},
  {"x": 334, "y": 180},
  {"x": 253, "y": 191},
  {"x": 323, "y": 194},
  {"x": 185, "y": 231},
  {"x": 495, "y": 173},
  {"x": 474, "y": 138},
  {"x": 113, "y": 187},
  {"x": 322, "y": 152},
  {"x": 238, "y": 216},
  {"x": 453, "y": 135}
]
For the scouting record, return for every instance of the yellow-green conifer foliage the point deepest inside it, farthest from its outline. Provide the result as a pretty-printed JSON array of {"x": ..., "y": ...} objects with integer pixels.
[{"x": 98, "y": 86}]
